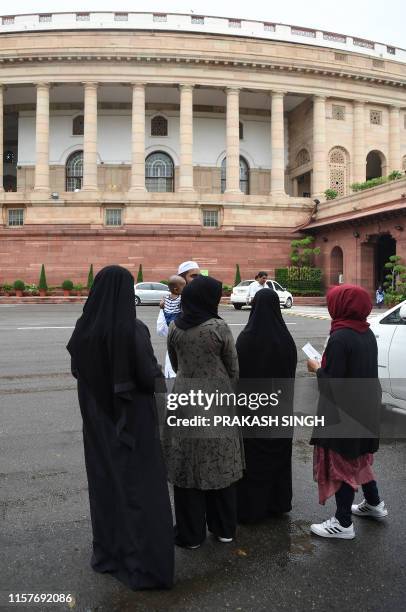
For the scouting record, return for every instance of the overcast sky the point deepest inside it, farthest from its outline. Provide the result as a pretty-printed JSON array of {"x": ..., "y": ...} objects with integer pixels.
[{"x": 379, "y": 20}]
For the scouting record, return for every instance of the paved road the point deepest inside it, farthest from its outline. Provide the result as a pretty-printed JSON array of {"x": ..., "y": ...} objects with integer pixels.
[{"x": 44, "y": 514}]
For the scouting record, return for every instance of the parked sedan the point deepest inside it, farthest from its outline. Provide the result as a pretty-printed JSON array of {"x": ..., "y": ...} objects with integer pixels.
[
  {"x": 239, "y": 294},
  {"x": 149, "y": 293},
  {"x": 390, "y": 331}
]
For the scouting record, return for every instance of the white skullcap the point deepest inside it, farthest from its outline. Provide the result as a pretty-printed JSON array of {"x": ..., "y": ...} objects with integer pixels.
[{"x": 186, "y": 266}]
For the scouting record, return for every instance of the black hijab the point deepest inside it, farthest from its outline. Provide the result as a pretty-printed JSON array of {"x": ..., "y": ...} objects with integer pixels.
[
  {"x": 199, "y": 302},
  {"x": 102, "y": 345},
  {"x": 265, "y": 347}
]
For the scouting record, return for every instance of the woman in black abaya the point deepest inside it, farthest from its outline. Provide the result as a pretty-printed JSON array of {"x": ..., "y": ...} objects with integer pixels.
[
  {"x": 267, "y": 359},
  {"x": 114, "y": 363}
]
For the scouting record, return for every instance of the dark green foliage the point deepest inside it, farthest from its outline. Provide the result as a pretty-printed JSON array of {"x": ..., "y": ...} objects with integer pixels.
[
  {"x": 90, "y": 277},
  {"x": 237, "y": 278},
  {"x": 140, "y": 276},
  {"x": 42, "y": 285}
]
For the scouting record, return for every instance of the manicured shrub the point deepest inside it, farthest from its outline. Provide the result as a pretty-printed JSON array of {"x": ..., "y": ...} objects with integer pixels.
[
  {"x": 90, "y": 277},
  {"x": 237, "y": 279},
  {"x": 301, "y": 281},
  {"x": 42, "y": 285},
  {"x": 67, "y": 285},
  {"x": 19, "y": 285},
  {"x": 331, "y": 194},
  {"x": 140, "y": 277}
]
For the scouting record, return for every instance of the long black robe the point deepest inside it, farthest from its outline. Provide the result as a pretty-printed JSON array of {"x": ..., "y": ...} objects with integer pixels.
[
  {"x": 113, "y": 360},
  {"x": 267, "y": 358}
]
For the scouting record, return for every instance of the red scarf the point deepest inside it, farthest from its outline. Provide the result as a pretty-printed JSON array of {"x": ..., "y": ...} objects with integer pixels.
[{"x": 349, "y": 307}]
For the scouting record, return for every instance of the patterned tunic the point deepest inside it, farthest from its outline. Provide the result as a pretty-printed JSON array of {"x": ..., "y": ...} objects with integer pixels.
[{"x": 205, "y": 359}]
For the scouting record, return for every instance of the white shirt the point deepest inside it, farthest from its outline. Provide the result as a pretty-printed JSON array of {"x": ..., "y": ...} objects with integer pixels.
[
  {"x": 253, "y": 289},
  {"x": 162, "y": 330}
]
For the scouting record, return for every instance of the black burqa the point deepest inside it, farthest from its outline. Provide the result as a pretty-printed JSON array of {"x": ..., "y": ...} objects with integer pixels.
[
  {"x": 267, "y": 358},
  {"x": 114, "y": 363},
  {"x": 199, "y": 301}
]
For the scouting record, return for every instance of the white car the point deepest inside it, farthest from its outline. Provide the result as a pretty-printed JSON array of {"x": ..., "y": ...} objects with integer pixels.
[
  {"x": 239, "y": 294},
  {"x": 390, "y": 332},
  {"x": 149, "y": 293}
]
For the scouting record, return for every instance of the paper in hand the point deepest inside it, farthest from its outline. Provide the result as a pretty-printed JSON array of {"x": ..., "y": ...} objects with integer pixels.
[{"x": 311, "y": 352}]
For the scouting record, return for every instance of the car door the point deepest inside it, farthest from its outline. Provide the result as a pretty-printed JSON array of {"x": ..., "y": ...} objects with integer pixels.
[
  {"x": 159, "y": 290},
  {"x": 397, "y": 359},
  {"x": 144, "y": 292},
  {"x": 384, "y": 331}
]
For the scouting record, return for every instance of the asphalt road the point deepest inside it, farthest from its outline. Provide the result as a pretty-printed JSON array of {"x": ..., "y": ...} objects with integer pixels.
[{"x": 45, "y": 533}]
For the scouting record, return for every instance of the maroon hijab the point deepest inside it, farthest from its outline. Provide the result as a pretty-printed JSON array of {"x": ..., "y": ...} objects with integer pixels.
[{"x": 349, "y": 307}]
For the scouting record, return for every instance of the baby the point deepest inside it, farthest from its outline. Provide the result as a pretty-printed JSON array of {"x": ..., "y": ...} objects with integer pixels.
[{"x": 171, "y": 303}]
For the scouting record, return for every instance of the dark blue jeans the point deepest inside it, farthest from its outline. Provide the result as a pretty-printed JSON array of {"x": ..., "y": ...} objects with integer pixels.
[{"x": 345, "y": 498}]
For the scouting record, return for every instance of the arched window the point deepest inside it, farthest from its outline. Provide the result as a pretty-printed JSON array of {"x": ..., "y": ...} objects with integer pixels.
[
  {"x": 159, "y": 126},
  {"x": 244, "y": 175},
  {"x": 338, "y": 166},
  {"x": 336, "y": 265},
  {"x": 78, "y": 125},
  {"x": 302, "y": 158},
  {"x": 74, "y": 171},
  {"x": 376, "y": 165},
  {"x": 159, "y": 172}
]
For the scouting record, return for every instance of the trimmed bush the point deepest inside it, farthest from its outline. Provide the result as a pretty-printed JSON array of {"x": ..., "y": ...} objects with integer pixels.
[
  {"x": 19, "y": 285},
  {"x": 301, "y": 281},
  {"x": 331, "y": 194},
  {"x": 140, "y": 276},
  {"x": 42, "y": 285},
  {"x": 237, "y": 279},
  {"x": 67, "y": 285},
  {"x": 90, "y": 277}
]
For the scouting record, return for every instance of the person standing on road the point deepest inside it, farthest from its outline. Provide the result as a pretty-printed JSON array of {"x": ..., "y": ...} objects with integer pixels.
[
  {"x": 116, "y": 370},
  {"x": 380, "y": 296},
  {"x": 203, "y": 465},
  {"x": 343, "y": 463},
  {"x": 256, "y": 285},
  {"x": 267, "y": 358}
]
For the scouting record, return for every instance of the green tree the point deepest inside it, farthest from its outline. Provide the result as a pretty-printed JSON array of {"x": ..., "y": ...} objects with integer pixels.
[
  {"x": 302, "y": 252},
  {"x": 140, "y": 276},
  {"x": 42, "y": 279},
  {"x": 90, "y": 277},
  {"x": 395, "y": 283},
  {"x": 237, "y": 278}
]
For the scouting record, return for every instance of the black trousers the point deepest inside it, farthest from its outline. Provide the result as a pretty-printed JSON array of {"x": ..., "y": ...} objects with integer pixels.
[
  {"x": 345, "y": 498},
  {"x": 195, "y": 508}
]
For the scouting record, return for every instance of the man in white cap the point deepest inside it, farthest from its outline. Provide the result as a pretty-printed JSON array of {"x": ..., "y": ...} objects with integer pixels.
[{"x": 189, "y": 270}]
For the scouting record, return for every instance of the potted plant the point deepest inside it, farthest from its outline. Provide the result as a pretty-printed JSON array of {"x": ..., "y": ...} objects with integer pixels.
[
  {"x": 19, "y": 287},
  {"x": 31, "y": 289},
  {"x": 67, "y": 287},
  {"x": 90, "y": 278},
  {"x": 42, "y": 285},
  {"x": 7, "y": 289},
  {"x": 78, "y": 288}
]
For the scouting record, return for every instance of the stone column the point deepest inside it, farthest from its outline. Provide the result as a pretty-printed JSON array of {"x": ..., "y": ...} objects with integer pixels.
[
  {"x": 1, "y": 139},
  {"x": 233, "y": 141},
  {"x": 90, "y": 138},
  {"x": 42, "y": 138},
  {"x": 277, "y": 145},
  {"x": 358, "y": 145},
  {"x": 186, "y": 138},
  {"x": 319, "y": 146},
  {"x": 138, "y": 138},
  {"x": 394, "y": 161}
]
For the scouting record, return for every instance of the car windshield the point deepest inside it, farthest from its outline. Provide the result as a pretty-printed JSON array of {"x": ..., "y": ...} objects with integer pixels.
[{"x": 244, "y": 283}]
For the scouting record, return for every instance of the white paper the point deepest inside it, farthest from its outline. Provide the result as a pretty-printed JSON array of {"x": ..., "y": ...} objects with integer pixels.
[{"x": 311, "y": 352}]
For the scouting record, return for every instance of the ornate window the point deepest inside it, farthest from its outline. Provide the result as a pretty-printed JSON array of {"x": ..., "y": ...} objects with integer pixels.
[
  {"x": 78, "y": 125},
  {"x": 244, "y": 175},
  {"x": 9, "y": 20},
  {"x": 159, "y": 17},
  {"x": 375, "y": 117},
  {"x": 120, "y": 16},
  {"x": 159, "y": 126},
  {"x": 338, "y": 161},
  {"x": 74, "y": 171},
  {"x": 360, "y": 42},
  {"x": 15, "y": 217},
  {"x": 269, "y": 27},
  {"x": 113, "y": 216},
  {"x": 338, "y": 112},
  {"x": 303, "y": 157},
  {"x": 82, "y": 16},
  {"x": 196, "y": 19},
  {"x": 334, "y": 37},
  {"x": 210, "y": 218},
  {"x": 303, "y": 32},
  {"x": 234, "y": 23},
  {"x": 159, "y": 172},
  {"x": 391, "y": 50},
  {"x": 45, "y": 18}
]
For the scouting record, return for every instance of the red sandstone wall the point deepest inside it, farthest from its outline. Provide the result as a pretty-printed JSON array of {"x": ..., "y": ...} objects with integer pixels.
[{"x": 68, "y": 253}]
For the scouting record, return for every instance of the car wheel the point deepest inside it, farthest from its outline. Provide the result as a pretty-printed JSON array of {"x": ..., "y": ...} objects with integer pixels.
[
  {"x": 137, "y": 300},
  {"x": 288, "y": 303},
  {"x": 238, "y": 306}
]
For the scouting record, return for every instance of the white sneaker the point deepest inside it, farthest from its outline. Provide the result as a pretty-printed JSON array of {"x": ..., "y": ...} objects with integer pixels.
[
  {"x": 333, "y": 529},
  {"x": 224, "y": 540},
  {"x": 364, "y": 509}
]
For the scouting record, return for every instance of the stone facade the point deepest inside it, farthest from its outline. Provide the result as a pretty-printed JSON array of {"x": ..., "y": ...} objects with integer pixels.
[{"x": 325, "y": 111}]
